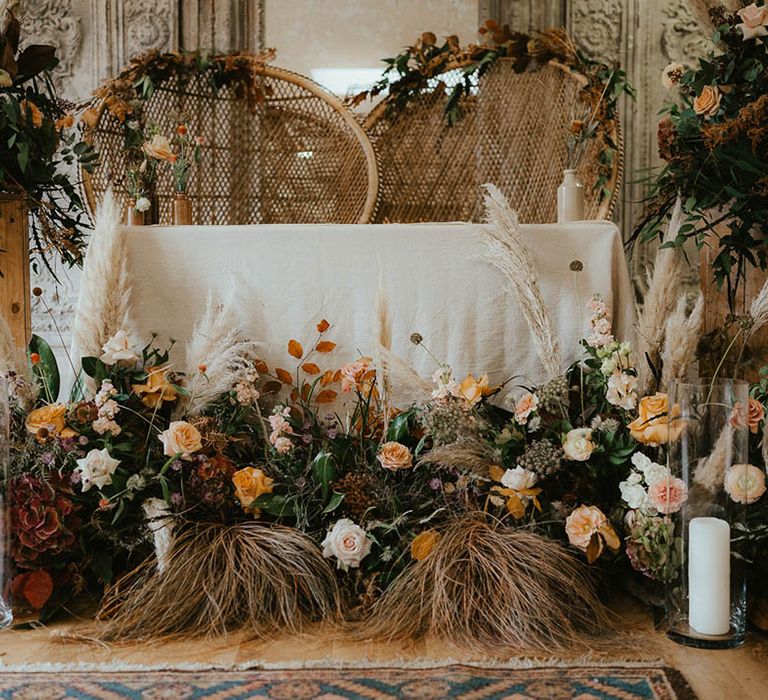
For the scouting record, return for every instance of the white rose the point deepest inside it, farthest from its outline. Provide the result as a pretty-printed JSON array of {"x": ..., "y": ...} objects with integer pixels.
[
  {"x": 640, "y": 461},
  {"x": 654, "y": 473},
  {"x": 578, "y": 445},
  {"x": 634, "y": 495},
  {"x": 634, "y": 478},
  {"x": 519, "y": 479},
  {"x": 142, "y": 204},
  {"x": 118, "y": 348},
  {"x": 96, "y": 469},
  {"x": 348, "y": 543},
  {"x": 753, "y": 21}
]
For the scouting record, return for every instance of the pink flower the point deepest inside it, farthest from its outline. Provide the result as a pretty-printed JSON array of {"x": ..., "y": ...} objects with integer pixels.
[
  {"x": 525, "y": 405},
  {"x": 745, "y": 483},
  {"x": 753, "y": 21},
  {"x": 352, "y": 375},
  {"x": 668, "y": 495}
]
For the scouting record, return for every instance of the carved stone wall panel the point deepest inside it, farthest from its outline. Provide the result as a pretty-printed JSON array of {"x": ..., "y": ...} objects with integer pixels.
[
  {"x": 212, "y": 24},
  {"x": 524, "y": 15}
]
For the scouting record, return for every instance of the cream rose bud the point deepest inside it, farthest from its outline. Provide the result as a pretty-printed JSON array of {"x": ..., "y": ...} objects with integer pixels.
[
  {"x": 519, "y": 479},
  {"x": 118, "y": 349},
  {"x": 96, "y": 469},
  {"x": 578, "y": 445},
  {"x": 394, "y": 456},
  {"x": 182, "y": 439},
  {"x": 348, "y": 543}
]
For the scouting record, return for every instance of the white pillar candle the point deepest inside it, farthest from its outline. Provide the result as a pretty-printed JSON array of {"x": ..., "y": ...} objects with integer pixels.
[{"x": 709, "y": 576}]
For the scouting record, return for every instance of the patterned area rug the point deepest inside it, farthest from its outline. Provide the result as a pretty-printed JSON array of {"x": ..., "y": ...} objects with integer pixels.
[{"x": 379, "y": 684}]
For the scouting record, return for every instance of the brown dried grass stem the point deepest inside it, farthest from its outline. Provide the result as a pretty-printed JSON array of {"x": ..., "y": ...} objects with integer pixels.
[
  {"x": 259, "y": 579},
  {"x": 494, "y": 589}
]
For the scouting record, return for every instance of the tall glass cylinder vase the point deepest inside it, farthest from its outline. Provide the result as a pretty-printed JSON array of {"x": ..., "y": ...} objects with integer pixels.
[
  {"x": 6, "y": 614},
  {"x": 709, "y": 494}
]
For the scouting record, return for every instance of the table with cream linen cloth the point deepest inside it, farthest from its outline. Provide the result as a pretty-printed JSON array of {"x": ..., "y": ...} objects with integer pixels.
[{"x": 435, "y": 278}]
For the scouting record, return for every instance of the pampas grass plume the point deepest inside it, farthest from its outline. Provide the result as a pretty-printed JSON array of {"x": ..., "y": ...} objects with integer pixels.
[
  {"x": 681, "y": 339},
  {"x": 508, "y": 252},
  {"x": 103, "y": 307},
  {"x": 661, "y": 298},
  {"x": 404, "y": 382},
  {"x": 219, "y": 343}
]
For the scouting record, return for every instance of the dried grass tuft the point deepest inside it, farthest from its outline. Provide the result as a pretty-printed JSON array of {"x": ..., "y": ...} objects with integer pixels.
[
  {"x": 465, "y": 454},
  {"x": 494, "y": 589},
  {"x": 260, "y": 579}
]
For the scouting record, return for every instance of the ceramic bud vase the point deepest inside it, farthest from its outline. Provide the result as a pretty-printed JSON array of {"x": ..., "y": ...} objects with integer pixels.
[
  {"x": 710, "y": 491},
  {"x": 134, "y": 216},
  {"x": 6, "y": 612},
  {"x": 570, "y": 198},
  {"x": 182, "y": 210}
]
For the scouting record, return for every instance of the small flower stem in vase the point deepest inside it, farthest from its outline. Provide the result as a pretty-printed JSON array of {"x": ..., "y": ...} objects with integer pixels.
[{"x": 134, "y": 217}]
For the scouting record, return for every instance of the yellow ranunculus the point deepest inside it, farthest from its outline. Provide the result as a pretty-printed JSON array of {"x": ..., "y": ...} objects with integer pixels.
[
  {"x": 250, "y": 483},
  {"x": 656, "y": 424},
  {"x": 472, "y": 390},
  {"x": 51, "y": 418},
  {"x": 423, "y": 544},
  {"x": 156, "y": 388}
]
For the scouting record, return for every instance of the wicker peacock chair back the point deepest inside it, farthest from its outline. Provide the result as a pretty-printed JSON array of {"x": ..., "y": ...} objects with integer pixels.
[
  {"x": 297, "y": 155},
  {"x": 511, "y": 133}
]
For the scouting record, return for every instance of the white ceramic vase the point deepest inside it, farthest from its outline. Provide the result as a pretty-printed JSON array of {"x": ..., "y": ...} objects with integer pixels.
[{"x": 570, "y": 198}]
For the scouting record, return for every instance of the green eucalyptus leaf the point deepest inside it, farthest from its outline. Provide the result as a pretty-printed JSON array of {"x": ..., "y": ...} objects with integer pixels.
[{"x": 47, "y": 370}]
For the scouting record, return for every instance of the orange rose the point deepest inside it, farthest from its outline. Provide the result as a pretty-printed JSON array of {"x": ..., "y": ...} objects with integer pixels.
[
  {"x": 472, "y": 390},
  {"x": 586, "y": 523},
  {"x": 159, "y": 148},
  {"x": 707, "y": 103},
  {"x": 423, "y": 544},
  {"x": 156, "y": 388},
  {"x": 51, "y": 418},
  {"x": 394, "y": 456},
  {"x": 655, "y": 425},
  {"x": 250, "y": 483}
]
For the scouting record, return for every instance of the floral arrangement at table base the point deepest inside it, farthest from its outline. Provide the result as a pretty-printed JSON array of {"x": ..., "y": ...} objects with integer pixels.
[{"x": 270, "y": 497}]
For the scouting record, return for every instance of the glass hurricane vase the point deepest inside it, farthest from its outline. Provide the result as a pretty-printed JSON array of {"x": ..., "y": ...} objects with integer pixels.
[
  {"x": 6, "y": 614},
  {"x": 713, "y": 486}
]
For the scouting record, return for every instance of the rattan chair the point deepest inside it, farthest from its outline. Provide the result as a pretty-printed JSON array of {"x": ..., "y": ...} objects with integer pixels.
[
  {"x": 511, "y": 133},
  {"x": 298, "y": 156}
]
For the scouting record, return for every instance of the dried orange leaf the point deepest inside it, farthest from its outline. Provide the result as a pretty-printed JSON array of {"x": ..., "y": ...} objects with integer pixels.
[
  {"x": 305, "y": 389},
  {"x": 38, "y": 587},
  {"x": 323, "y": 326},
  {"x": 310, "y": 368},
  {"x": 284, "y": 375},
  {"x": 495, "y": 472},
  {"x": 327, "y": 378},
  {"x": 294, "y": 395},
  {"x": 295, "y": 349},
  {"x": 326, "y": 396},
  {"x": 271, "y": 387},
  {"x": 261, "y": 367},
  {"x": 325, "y": 346}
]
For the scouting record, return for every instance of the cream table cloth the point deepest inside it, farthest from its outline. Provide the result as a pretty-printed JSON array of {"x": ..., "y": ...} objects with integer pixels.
[{"x": 434, "y": 276}]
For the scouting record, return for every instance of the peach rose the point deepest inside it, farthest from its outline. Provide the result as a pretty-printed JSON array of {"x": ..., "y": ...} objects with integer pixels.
[
  {"x": 423, "y": 544},
  {"x": 250, "y": 483},
  {"x": 585, "y": 522},
  {"x": 159, "y": 148},
  {"x": 353, "y": 374},
  {"x": 472, "y": 390},
  {"x": 668, "y": 495},
  {"x": 181, "y": 438},
  {"x": 755, "y": 414},
  {"x": 32, "y": 108},
  {"x": 745, "y": 483},
  {"x": 707, "y": 103},
  {"x": 50, "y": 417},
  {"x": 156, "y": 388},
  {"x": 525, "y": 405},
  {"x": 655, "y": 425},
  {"x": 394, "y": 456},
  {"x": 754, "y": 21}
]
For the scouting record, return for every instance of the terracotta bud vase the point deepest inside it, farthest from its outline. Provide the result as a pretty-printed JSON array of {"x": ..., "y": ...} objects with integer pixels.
[
  {"x": 182, "y": 210},
  {"x": 134, "y": 217}
]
